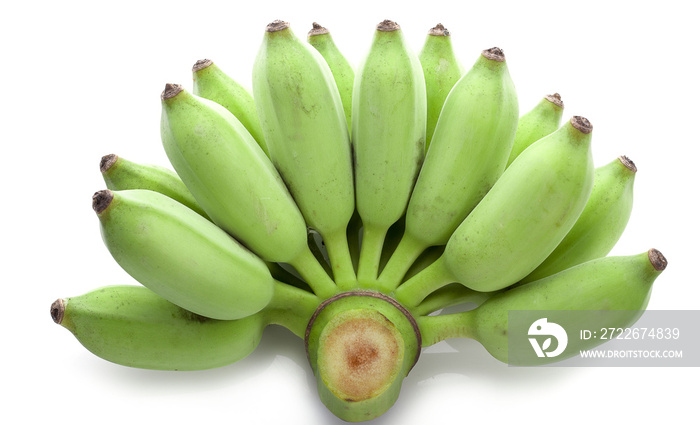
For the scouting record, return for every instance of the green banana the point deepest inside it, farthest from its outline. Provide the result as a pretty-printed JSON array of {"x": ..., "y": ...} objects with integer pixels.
[
  {"x": 304, "y": 125},
  {"x": 210, "y": 82},
  {"x": 601, "y": 223},
  {"x": 540, "y": 121},
  {"x": 388, "y": 137},
  {"x": 442, "y": 70},
  {"x": 620, "y": 283},
  {"x": 235, "y": 182},
  {"x": 520, "y": 221},
  {"x": 132, "y": 326},
  {"x": 121, "y": 174},
  {"x": 181, "y": 256},
  {"x": 468, "y": 154},
  {"x": 343, "y": 73}
]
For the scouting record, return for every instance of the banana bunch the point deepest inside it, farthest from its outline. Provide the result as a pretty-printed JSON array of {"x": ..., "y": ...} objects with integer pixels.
[{"x": 350, "y": 205}]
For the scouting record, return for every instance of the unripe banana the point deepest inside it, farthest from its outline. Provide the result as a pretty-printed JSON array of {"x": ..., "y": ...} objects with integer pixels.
[
  {"x": 468, "y": 154},
  {"x": 121, "y": 174},
  {"x": 388, "y": 136},
  {"x": 132, "y": 326},
  {"x": 210, "y": 82},
  {"x": 442, "y": 70},
  {"x": 540, "y": 121},
  {"x": 520, "y": 221},
  {"x": 620, "y": 284},
  {"x": 343, "y": 73},
  {"x": 304, "y": 125},
  {"x": 601, "y": 223},
  {"x": 235, "y": 182},
  {"x": 181, "y": 256}
]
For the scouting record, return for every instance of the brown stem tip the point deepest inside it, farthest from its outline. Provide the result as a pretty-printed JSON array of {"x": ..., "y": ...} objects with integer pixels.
[
  {"x": 101, "y": 200},
  {"x": 201, "y": 64},
  {"x": 277, "y": 25},
  {"x": 555, "y": 99},
  {"x": 657, "y": 259},
  {"x": 317, "y": 29},
  {"x": 439, "y": 30},
  {"x": 107, "y": 162},
  {"x": 171, "y": 90},
  {"x": 58, "y": 309},
  {"x": 494, "y": 54},
  {"x": 581, "y": 124},
  {"x": 628, "y": 163},
  {"x": 387, "y": 25}
]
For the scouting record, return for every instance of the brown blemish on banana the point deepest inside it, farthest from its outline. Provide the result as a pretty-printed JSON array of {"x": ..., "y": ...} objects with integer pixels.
[
  {"x": 628, "y": 163},
  {"x": 101, "y": 200},
  {"x": 388, "y": 25},
  {"x": 555, "y": 99},
  {"x": 439, "y": 30},
  {"x": 581, "y": 124},
  {"x": 171, "y": 90},
  {"x": 201, "y": 64},
  {"x": 657, "y": 260},
  {"x": 277, "y": 25},
  {"x": 494, "y": 54},
  {"x": 317, "y": 30},
  {"x": 58, "y": 309},
  {"x": 107, "y": 162}
]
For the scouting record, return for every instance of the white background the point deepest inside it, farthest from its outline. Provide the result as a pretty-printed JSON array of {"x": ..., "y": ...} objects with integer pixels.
[{"x": 83, "y": 79}]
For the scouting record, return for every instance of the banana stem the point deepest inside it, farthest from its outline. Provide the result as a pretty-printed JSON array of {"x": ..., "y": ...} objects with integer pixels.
[
  {"x": 314, "y": 274},
  {"x": 427, "y": 281},
  {"x": 341, "y": 261},
  {"x": 448, "y": 296},
  {"x": 434, "y": 329},
  {"x": 370, "y": 254},
  {"x": 291, "y": 307},
  {"x": 406, "y": 253}
]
